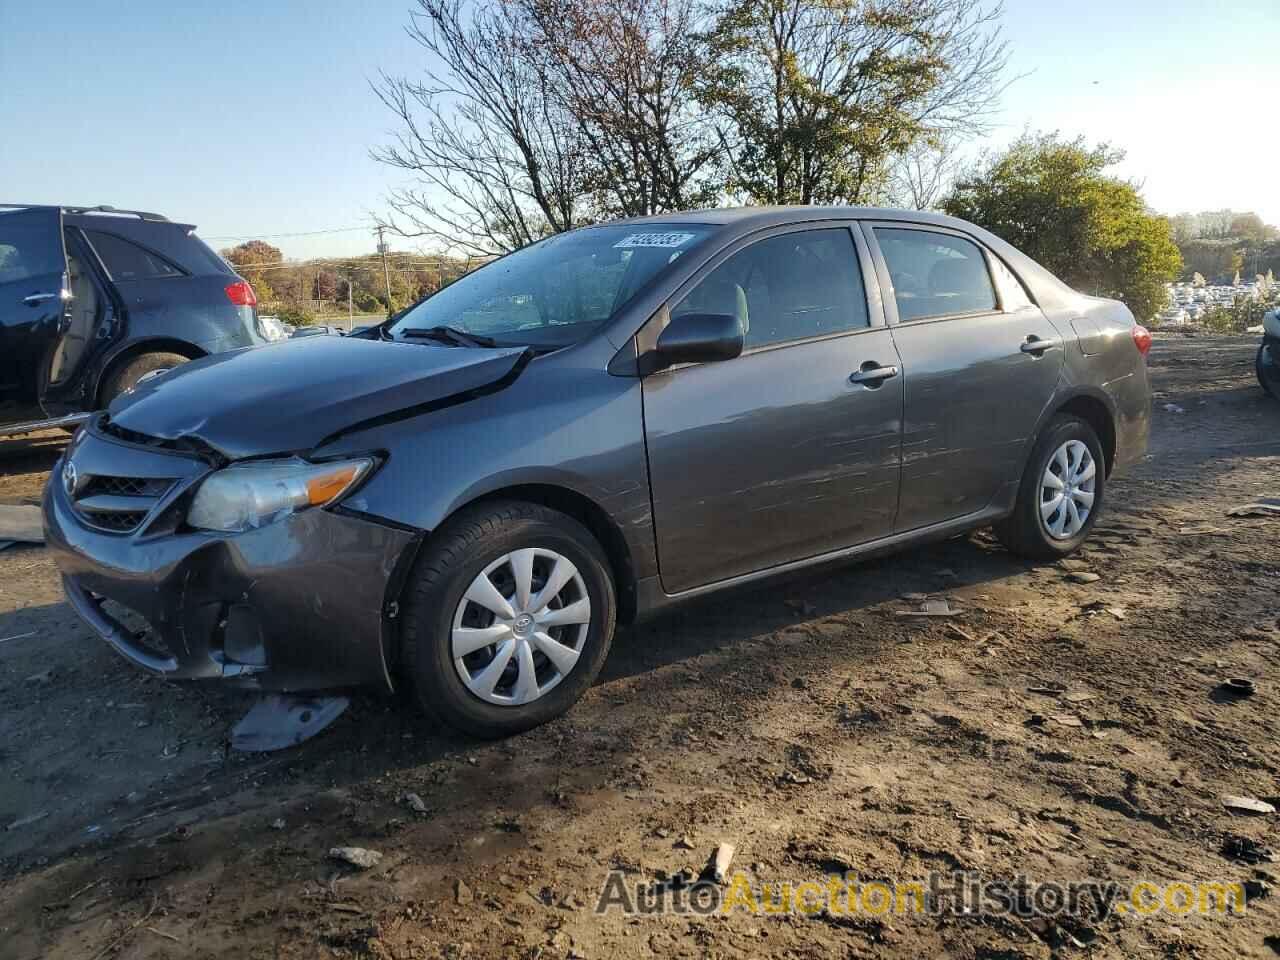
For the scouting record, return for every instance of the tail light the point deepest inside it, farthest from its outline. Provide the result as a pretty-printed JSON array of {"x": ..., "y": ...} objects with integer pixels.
[
  {"x": 241, "y": 294},
  {"x": 1141, "y": 338}
]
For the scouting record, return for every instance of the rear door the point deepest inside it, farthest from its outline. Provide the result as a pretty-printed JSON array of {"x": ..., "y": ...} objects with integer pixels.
[
  {"x": 777, "y": 455},
  {"x": 33, "y": 302},
  {"x": 981, "y": 363}
]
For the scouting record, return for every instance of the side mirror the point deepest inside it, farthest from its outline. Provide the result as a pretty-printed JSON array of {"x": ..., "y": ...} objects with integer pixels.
[{"x": 701, "y": 338}]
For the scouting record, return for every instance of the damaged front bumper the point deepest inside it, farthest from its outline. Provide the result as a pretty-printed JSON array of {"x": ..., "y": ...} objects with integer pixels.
[{"x": 301, "y": 604}]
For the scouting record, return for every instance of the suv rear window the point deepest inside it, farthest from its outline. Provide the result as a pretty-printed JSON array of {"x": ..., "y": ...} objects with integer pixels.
[{"x": 128, "y": 261}]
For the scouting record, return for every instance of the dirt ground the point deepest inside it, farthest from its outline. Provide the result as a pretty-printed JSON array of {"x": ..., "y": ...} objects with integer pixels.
[{"x": 803, "y": 721}]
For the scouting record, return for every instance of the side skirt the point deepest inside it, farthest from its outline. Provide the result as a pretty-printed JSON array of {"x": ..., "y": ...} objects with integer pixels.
[{"x": 651, "y": 599}]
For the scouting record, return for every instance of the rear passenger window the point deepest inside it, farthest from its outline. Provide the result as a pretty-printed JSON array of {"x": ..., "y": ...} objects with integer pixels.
[
  {"x": 128, "y": 261},
  {"x": 789, "y": 287},
  {"x": 1013, "y": 295},
  {"x": 935, "y": 274}
]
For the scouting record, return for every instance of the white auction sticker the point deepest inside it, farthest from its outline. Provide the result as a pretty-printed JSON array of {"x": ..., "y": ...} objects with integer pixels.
[{"x": 667, "y": 240}]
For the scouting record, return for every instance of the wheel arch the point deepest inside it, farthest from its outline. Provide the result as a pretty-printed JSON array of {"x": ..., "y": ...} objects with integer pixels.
[
  {"x": 137, "y": 348},
  {"x": 591, "y": 515},
  {"x": 1099, "y": 414}
]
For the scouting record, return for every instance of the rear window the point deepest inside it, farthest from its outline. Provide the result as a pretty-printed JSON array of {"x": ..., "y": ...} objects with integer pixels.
[
  {"x": 125, "y": 260},
  {"x": 935, "y": 274}
]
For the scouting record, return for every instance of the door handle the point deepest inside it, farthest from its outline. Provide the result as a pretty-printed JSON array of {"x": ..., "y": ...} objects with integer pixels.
[
  {"x": 35, "y": 298},
  {"x": 1034, "y": 345},
  {"x": 871, "y": 374}
]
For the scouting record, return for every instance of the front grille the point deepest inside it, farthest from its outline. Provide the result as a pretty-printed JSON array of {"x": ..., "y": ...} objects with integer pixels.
[
  {"x": 115, "y": 522},
  {"x": 125, "y": 487},
  {"x": 118, "y": 504}
]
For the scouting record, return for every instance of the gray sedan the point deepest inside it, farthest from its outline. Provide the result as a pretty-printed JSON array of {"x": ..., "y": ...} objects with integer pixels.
[{"x": 469, "y": 498}]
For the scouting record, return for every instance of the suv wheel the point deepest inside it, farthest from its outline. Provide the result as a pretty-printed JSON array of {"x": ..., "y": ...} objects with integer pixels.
[
  {"x": 140, "y": 368},
  {"x": 1061, "y": 492},
  {"x": 509, "y": 618}
]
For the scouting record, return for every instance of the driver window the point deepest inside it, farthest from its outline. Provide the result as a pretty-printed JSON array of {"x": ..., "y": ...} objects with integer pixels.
[{"x": 789, "y": 287}]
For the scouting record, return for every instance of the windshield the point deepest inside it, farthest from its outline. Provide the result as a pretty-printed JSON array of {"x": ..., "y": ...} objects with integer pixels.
[{"x": 557, "y": 291}]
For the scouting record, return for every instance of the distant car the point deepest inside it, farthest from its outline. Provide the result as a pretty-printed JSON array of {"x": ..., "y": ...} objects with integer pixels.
[
  {"x": 467, "y": 498},
  {"x": 94, "y": 299}
]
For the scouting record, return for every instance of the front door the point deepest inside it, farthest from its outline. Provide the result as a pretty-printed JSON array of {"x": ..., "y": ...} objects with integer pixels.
[
  {"x": 976, "y": 381},
  {"x": 777, "y": 455},
  {"x": 33, "y": 302}
]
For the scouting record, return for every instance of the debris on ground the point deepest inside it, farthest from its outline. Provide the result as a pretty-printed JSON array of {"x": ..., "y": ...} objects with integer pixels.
[
  {"x": 1238, "y": 687},
  {"x": 932, "y": 608},
  {"x": 27, "y": 821},
  {"x": 20, "y": 523},
  {"x": 282, "y": 720},
  {"x": 1080, "y": 697},
  {"x": 1173, "y": 408},
  {"x": 415, "y": 803},
  {"x": 1048, "y": 689},
  {"x": 461, "y": 892},
  {"x": 717, "y": 868},
  {"x": 1247, "y": 805},
  {"x": 1266, "y": 507},
  {"x": 1083, "y": 576},
  {"x": 358, "y": 857},
  {"x": 1246, "y": 850}
]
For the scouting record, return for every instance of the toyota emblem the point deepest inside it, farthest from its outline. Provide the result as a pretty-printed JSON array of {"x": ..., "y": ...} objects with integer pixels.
[{"x": 69, "y": 478}]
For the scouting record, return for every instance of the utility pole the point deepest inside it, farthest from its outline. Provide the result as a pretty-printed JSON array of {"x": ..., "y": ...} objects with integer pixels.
[
  {"x": 349, "y": 320},
  {"x": 386, "y": 271}
]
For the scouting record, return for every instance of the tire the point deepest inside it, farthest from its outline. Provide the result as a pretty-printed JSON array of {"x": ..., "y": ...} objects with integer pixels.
[
  {"x": 1270, "y": 382},
  {"x": 1026, "y": 532},
  {"x": 127, "y": 376},
  {"x": 438, "y": 602}
]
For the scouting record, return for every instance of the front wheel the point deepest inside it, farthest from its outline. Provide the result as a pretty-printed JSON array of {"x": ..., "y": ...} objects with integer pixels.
[
  {"x": 1060, "y": 494},
  {"x": 1267, "y": 366},
  {"x": 509, "y": 618}
]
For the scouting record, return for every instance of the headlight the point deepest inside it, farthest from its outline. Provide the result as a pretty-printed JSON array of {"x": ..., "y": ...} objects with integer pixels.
[{"x": 251, "y": 495}]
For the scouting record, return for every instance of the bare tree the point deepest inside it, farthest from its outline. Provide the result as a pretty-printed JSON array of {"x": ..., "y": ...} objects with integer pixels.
[
  {"x": 497, "y": 160},
  {"x": 628, "y": 73},
  {"x": 920, "y": 177}
]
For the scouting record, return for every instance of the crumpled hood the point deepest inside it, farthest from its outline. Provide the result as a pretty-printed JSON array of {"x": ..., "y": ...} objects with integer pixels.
[{"x": 289, "y": 396}]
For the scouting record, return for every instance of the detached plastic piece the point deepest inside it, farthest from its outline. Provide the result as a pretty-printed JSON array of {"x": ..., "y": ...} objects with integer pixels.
[{"x": 281, "y": 720}]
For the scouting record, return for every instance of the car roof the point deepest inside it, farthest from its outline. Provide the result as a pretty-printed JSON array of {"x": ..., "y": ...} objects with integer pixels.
[
  {"x": 754, "y": 218},
  {"x": 82, "y": 215}
]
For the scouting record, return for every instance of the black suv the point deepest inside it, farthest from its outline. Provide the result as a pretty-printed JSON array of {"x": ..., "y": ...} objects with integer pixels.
[{"x": 94, "y": 299}]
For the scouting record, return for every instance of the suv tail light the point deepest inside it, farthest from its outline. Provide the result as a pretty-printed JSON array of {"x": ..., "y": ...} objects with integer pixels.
[
  {"x": 241, "y": 294},
  {"x": 1141, "y": 338}
]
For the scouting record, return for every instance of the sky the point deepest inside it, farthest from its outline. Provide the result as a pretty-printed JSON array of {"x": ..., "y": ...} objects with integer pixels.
[{"x": 256, "y": 119}]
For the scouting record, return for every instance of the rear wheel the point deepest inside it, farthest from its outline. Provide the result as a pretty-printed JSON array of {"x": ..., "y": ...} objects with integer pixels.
[
  {"x": 509, "y": 619},
  {"x": 136, "y": 371},
  {"x": 1060, "y": 494}
]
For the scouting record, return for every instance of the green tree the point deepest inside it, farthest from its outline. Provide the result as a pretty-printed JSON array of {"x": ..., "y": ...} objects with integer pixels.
[
  {"x": 1053, "y": 199},
  {"x": 818, "y": 96}
]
